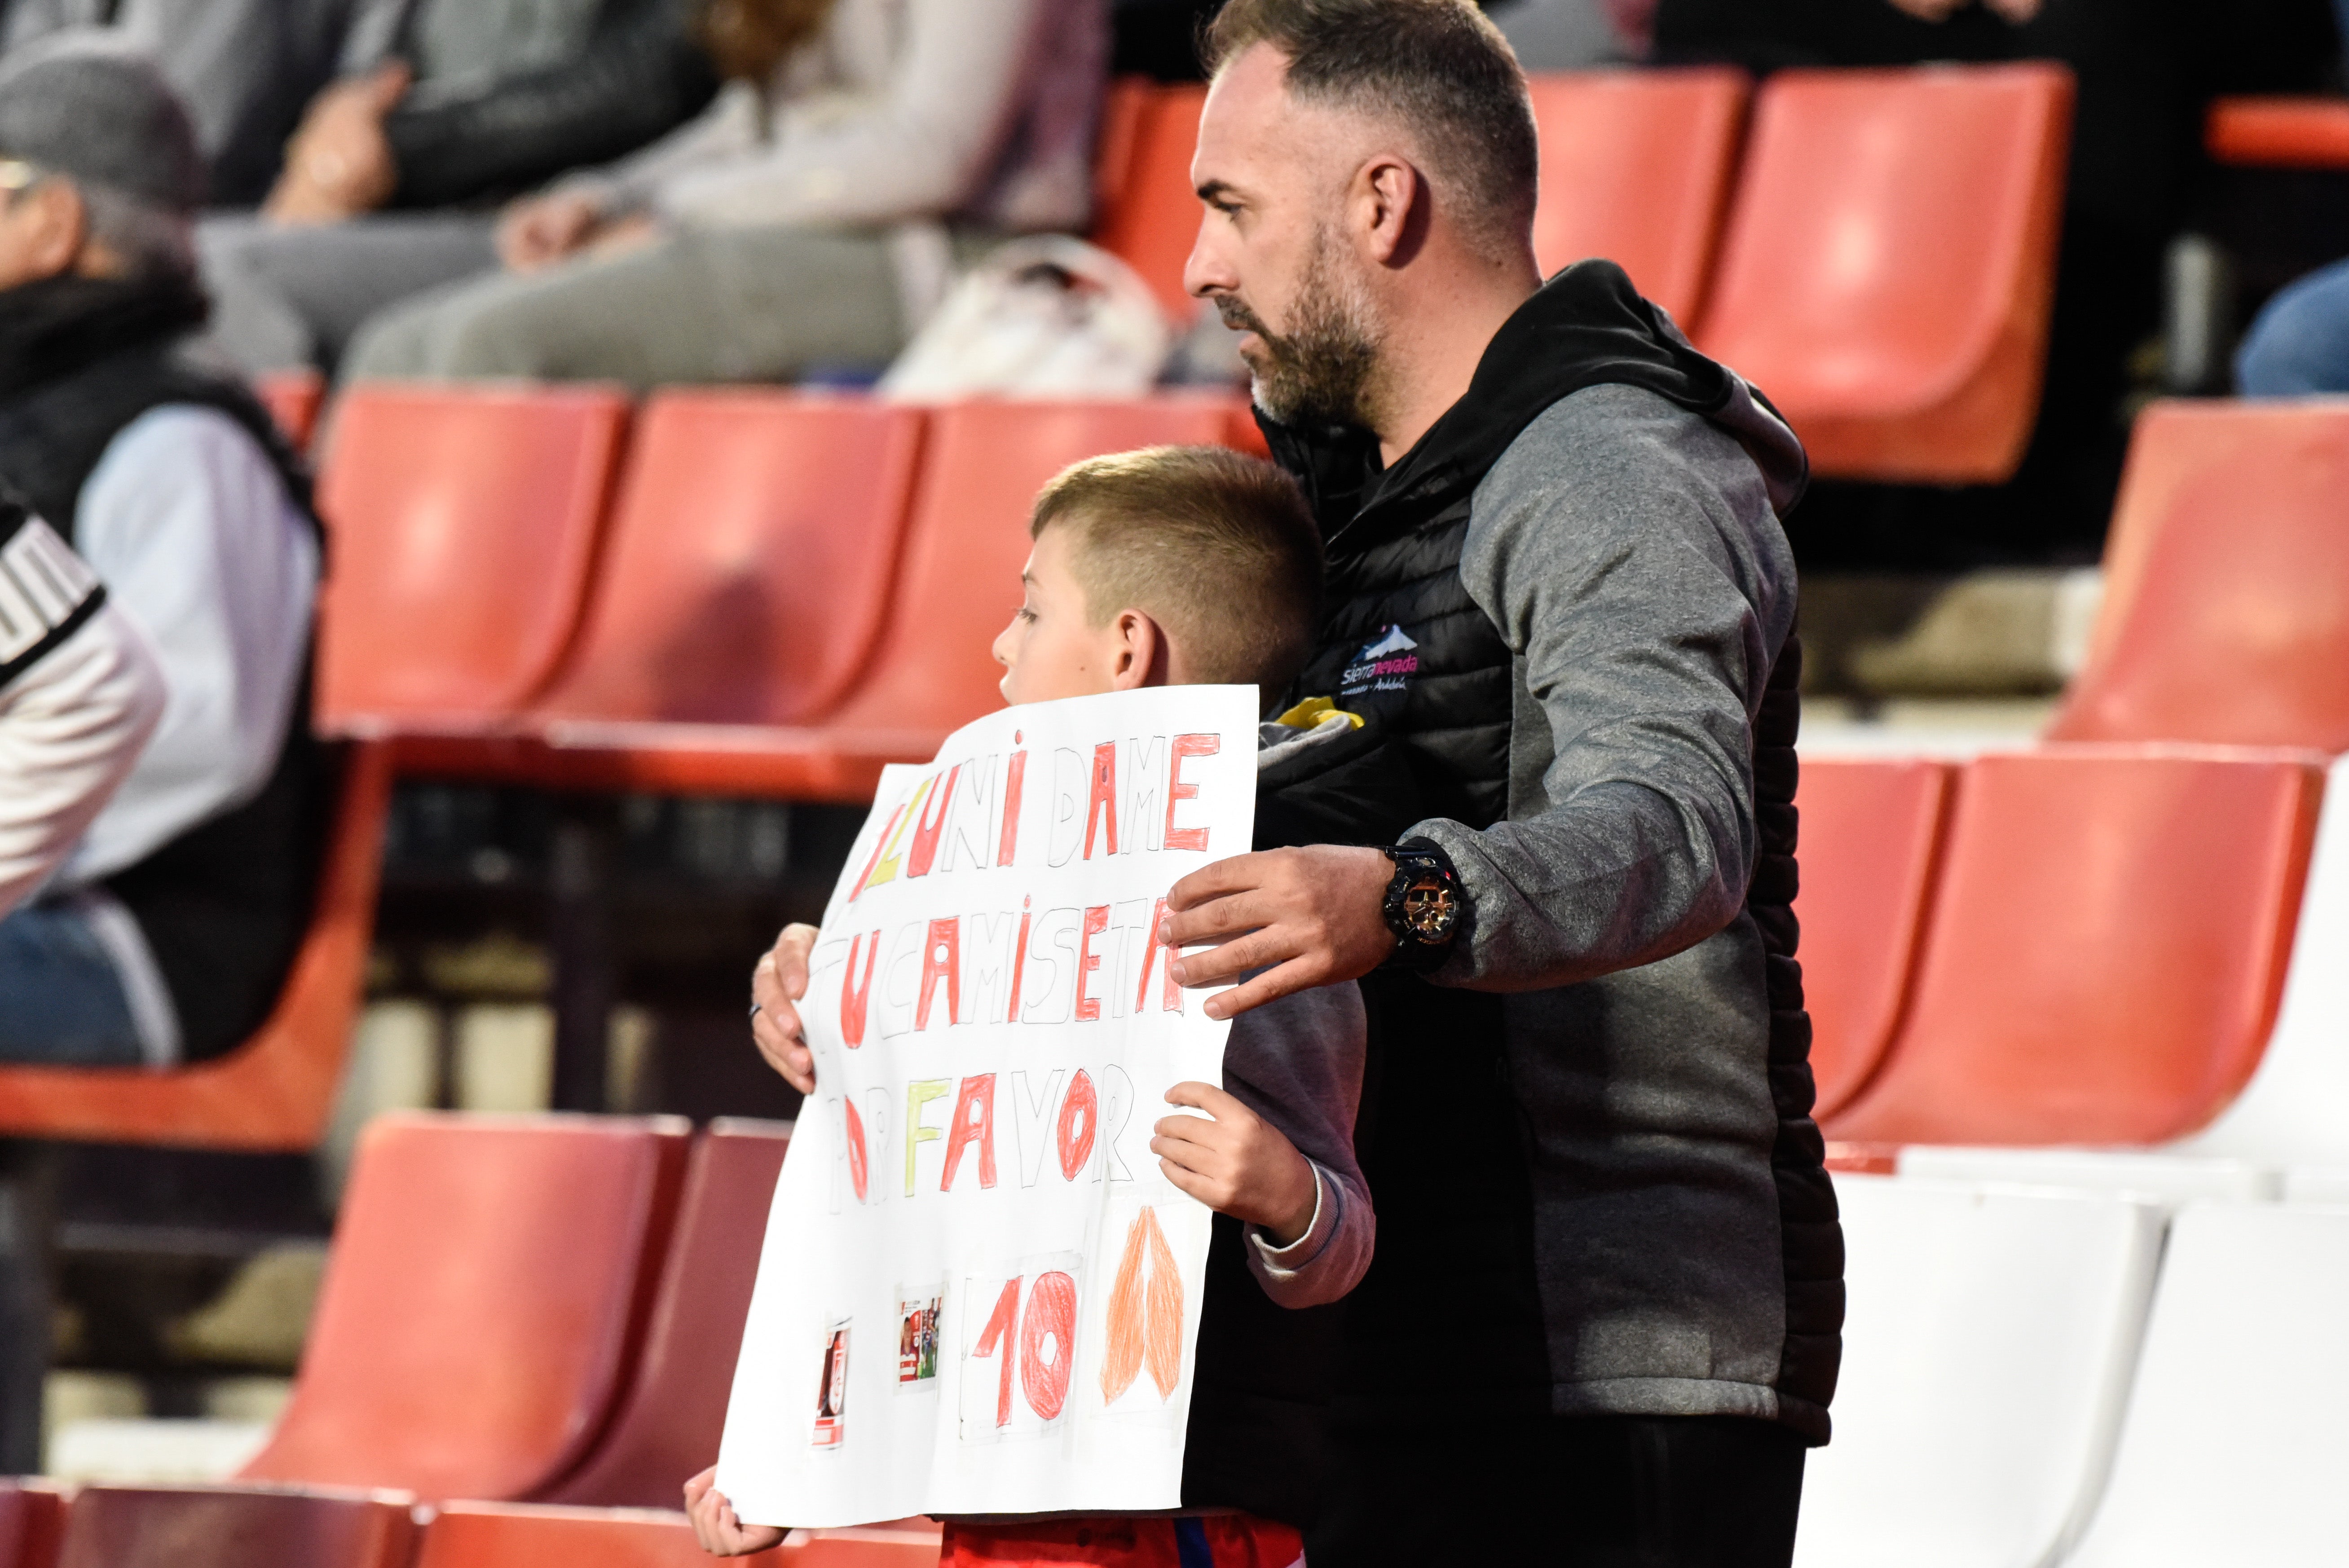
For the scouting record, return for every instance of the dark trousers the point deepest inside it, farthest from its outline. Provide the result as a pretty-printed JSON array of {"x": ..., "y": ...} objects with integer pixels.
[{"x": 1588, "y": 1491}]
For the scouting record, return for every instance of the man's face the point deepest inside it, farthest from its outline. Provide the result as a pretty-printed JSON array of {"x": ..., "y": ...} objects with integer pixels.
[
  {"x": 1272, "y": 253},
  {"x": 1051, "y": 650},
  {"x": 40, "y": 226}
]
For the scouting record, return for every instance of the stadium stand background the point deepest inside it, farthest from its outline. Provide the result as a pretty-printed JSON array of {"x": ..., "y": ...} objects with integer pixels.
[{"x": 2075, "y": 854}]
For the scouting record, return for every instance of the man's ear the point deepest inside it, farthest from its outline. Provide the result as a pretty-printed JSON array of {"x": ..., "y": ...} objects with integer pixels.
[
  {"x": 1388, "y": 199},
  {"x": 1143, "y": 657},
  {"x": 60, "y": 225}
]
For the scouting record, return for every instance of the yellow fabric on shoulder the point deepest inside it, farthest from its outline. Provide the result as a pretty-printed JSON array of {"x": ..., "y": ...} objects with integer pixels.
[{"x": 1313, "y": 710}]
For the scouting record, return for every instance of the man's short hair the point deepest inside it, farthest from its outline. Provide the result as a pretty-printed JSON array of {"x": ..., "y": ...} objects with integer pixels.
[
  {"x": 1216, "y": 546},
  {"x": 1439, "y": 67}
]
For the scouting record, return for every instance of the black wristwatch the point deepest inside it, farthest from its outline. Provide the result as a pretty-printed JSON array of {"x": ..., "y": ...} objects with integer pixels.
[{"x": 1423, "y": 905}]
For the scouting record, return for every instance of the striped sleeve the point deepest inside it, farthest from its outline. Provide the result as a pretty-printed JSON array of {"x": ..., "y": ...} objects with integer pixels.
[{"x": 47, "y": 592}]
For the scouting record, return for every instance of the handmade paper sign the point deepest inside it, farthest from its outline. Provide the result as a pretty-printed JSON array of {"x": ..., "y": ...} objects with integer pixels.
[{"x": 979, "y": 1294}]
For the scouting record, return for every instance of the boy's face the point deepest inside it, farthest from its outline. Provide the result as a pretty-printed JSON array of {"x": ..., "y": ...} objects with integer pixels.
[{"x": 1050, "y": 649}]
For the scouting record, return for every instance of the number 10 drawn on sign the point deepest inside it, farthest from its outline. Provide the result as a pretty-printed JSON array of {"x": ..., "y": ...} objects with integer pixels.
[{"x": 1036, "y": 1348}]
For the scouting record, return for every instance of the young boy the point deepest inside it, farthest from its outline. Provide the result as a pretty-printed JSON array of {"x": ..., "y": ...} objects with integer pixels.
[{"x": 1179, "y": 566}]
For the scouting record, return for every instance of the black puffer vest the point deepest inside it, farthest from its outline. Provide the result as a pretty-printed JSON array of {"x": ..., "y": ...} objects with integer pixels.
[
  {"x": 223, "y": 906},
  {"x": 1402, "y": 643}
]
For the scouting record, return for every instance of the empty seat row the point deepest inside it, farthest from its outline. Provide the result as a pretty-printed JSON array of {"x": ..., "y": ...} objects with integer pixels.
[
  {"x": 523, "y": 1310},
  {"x": 600, "y": 1270},
  {"x": 784, "y": 593},
  {"x": 314, "y": 1527},
  {"x": 2285, "y": 1134},
  {"x": 2076, "y": 945},
  {"x": 2039, "y": 1376},
  {"x": 1880, "y": 260}
]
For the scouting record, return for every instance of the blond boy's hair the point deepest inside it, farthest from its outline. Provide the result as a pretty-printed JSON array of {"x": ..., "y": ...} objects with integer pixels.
[{"x": 1215, "y": 546}]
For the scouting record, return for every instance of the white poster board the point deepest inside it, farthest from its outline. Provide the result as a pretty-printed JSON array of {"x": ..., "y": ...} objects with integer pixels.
[{"x": 979, "y": 1294}]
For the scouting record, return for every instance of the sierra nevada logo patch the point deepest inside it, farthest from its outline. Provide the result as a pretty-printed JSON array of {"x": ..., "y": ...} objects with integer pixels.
[{"x": 1382, "y": 664}]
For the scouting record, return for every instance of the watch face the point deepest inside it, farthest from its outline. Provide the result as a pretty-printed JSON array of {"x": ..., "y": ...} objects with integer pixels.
[{"x": 1428, "y": 909}]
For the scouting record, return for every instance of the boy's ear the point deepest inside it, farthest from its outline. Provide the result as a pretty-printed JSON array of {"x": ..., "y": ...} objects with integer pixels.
[{"x": 1142, "y": 656}]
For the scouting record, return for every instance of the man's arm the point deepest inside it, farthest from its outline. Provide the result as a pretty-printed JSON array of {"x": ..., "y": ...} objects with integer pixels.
[
  {"x": 641, "y": 74},
  {"x": 916, "y": 151},
  {"x": 198, "y": 543},
  {"x": 1624, "y": 550},
  {"x": 79, "y": 695},
  {"x": 1615, "y": 549}
]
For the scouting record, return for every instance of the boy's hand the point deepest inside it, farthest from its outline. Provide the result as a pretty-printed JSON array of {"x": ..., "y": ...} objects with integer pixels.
[
  {"x": 1314, "y": 915},
  {"x": 714, "y": 1525},
  {"x": 776, "y": 984},
  {"x": 1238, "y": 1164}
]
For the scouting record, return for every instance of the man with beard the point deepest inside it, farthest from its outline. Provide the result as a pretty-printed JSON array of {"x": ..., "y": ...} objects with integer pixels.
[
  {"x": 166, "y": 935},
  {"x": 1602, "y": 1324}
]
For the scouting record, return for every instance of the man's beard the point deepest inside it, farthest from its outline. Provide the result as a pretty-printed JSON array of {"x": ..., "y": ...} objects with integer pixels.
[{"x": 1323, "y": 370}]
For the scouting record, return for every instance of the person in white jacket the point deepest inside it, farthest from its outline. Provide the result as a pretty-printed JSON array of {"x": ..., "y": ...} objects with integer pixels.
[
  {"x": 81, "y": 694},
  {"x": 801, "y": 223}
]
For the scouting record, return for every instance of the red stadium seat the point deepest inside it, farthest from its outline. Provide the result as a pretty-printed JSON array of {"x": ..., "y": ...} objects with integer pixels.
[
  {"x": 750, "y": 558},
  {"x": 477, "y": 1535},
  {"x": 1870, "y": 830},
  {"x": 1890, "y": 261},
  {"x": 2279, "y": 133},
  {"x": 668, "y": 1425},
  {"x": 957, "y": 586},
  {"x": 488, "y": 1279},
  {"x": 2225, "y": 618},
  {"x": 461, "y": 528},
  {"x": 2105, "y": 952},
  {"x": 1635, "y": 167},
  {"x": 291, "y": 397},
  {"x": 277, "y": 1091},
  {"x": 32, "y": 1522},
  {"x": 1149, "y": 213},
  {"x": 221, "y": 1527}
]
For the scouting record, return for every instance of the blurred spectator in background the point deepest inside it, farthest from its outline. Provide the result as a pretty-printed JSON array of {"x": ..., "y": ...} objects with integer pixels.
[
  {"x": 808, "y": 219},
  {"x": 444, "y": 107},
  {"x": 2146, "y": 70},
  {"x": 169, "y": 929},
  {"x": 244, "y": 69},
  {"x": 79, "y": 695},
  {"x": 2299, "y": 344},
  {"x": 1575, "y": 34}
]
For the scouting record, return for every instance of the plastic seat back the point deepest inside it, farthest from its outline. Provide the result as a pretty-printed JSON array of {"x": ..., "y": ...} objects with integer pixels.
[
  {"x": 461, "y": 528},
  {"x": 2106, "y": 943},
  {"x": 1635, "y": 167},
  {"x": 2234, "y": 1448},
  {"x": 291, "y": 397},
  {"x": 219, "y": 1527},
  {"x": 981, "y": 467},
  {"x": 1986, "y": 1357},
  {"x": 1888, "y": 264},
  {"x": 2295, "y": 1109},
  {"x": 668, "y": 1425},
  {"x": 2279, "y": 133},
  {"x": 2224, "y": 617},
  {"x": 1869, "y": 833},
  {"x": 488, "y": 1278},
  {"x": 277, "y": 1090},
  {"x": 32, "y": 1522},
  {"x": 748, "y": 562},
  {"x": 481, "y": 1535},
  {"x": 1149, "y": 213}
]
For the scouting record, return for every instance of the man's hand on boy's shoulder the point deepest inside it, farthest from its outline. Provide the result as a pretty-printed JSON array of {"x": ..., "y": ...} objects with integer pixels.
[
  {"x": 1314, "y": 913},
  {"x": 776, "y": 987}
]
